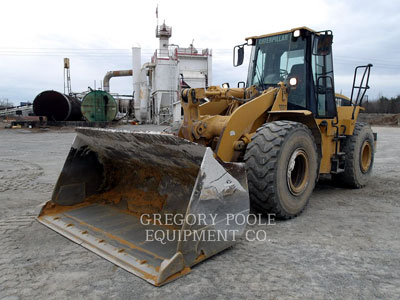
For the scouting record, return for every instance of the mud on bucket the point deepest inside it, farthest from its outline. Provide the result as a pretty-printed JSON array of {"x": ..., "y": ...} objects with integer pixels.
[{"x": 153, "y": 204}]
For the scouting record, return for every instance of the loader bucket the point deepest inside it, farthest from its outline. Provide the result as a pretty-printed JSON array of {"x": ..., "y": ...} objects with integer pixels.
[{"x": 153, "y": 204}]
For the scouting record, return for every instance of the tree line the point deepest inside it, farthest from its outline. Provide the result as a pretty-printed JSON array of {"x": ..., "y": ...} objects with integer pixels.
[
  {"x": 4, "y": 103},
  {"x": 383, "y": 105}
]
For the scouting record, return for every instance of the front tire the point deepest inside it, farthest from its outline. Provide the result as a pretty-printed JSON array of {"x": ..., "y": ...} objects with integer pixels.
[{"x": 282, "y": 168}]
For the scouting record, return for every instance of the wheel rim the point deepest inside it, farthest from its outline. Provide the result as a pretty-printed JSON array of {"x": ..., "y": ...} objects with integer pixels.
[
  {"x": 298, "y": 172},
  {"x": 366, "y": 156}
]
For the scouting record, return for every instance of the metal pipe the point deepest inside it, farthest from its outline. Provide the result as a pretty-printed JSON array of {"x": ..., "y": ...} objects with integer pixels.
[
  {"x": 136, "y": 64},
  {"x": 111, "y": 74},
  {"x": 57, "y": 106},
  {"x": 141, "y": 102}
]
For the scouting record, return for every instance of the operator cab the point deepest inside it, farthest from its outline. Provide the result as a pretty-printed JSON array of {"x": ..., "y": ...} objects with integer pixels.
[{"x": 302, "y": 58}]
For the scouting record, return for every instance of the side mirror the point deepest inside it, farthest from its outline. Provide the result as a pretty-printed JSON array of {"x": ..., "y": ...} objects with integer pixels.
[
  {"x": 238, "y": 55},
  {"x": 324, "y": 44}
]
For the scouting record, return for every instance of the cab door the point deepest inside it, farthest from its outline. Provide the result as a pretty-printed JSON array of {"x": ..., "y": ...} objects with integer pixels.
[{"x": 322, "y": 69}]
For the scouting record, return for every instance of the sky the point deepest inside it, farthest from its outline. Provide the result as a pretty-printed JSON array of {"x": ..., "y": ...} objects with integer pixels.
[{"x": 98, "y": 36}]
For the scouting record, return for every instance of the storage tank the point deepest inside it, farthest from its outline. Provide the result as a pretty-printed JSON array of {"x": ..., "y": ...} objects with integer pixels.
[
  {"x": 57, "y": 106},
  {"x": 124, "y": 105},
  {"x": 99, "y": 106}
]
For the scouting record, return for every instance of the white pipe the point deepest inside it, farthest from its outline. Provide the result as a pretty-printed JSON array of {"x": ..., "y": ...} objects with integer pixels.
[
  {"x": 136, "y": 64},
  {"x": 143, "y": 97}
]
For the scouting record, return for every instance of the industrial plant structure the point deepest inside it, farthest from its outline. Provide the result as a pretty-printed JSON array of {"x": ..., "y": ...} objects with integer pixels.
[
  {"x": 157, "y": 83},
  {"x": 156, "y": 86}
]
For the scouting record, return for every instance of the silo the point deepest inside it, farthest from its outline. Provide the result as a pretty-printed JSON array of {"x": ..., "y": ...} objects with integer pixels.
[
  {"x": 57, "y": 107},
  {"x": 99, "y": 106}
]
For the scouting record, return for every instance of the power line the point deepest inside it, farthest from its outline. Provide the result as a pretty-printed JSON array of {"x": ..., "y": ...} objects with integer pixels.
[
  {"x": 52, "y": 50},
  {"x": 382, "y": 63}
]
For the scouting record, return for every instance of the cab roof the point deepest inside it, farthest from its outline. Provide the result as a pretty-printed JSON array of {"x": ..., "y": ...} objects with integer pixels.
[{"x": 281, "y": 32}]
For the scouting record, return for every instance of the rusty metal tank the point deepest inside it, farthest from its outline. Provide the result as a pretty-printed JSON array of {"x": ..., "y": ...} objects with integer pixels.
[{"x": 99, "y": 106}]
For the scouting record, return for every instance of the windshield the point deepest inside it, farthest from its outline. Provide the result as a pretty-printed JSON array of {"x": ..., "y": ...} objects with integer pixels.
[{"x": 275, "y": 58}]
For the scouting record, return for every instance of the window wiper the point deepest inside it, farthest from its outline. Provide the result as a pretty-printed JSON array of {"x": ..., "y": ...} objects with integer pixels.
[{"x": 263, "y": 71}]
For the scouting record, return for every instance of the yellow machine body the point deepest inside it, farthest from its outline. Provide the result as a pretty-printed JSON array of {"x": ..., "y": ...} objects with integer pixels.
[{"x": 226, "y": 124}]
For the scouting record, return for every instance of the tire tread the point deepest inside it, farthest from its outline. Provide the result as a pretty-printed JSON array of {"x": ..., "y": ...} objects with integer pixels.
[{"x": 261, "y": 160}]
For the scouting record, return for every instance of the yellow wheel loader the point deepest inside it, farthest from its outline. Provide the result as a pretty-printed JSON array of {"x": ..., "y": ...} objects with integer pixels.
[{"x": 156, "y": 204}]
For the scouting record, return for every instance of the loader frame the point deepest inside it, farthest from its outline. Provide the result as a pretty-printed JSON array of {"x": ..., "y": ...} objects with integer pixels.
[{"x": 231, "y": 117}]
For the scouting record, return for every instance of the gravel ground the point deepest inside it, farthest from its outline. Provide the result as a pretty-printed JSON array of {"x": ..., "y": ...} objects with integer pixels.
[{"x": 346, "y": 244}]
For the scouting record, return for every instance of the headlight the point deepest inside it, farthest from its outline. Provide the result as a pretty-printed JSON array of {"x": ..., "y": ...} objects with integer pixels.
[
  {"x": 293, "y": 81},
  {"x": 251, "y": 42}
]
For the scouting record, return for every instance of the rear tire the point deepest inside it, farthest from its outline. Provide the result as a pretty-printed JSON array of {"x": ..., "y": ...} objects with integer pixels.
[
  {"x": 282, "y": 168},
  {"x": 359, "y": 150}
]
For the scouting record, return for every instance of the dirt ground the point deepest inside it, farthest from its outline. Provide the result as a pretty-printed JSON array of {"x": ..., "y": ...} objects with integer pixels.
[{"x": 346, "y": 244}]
